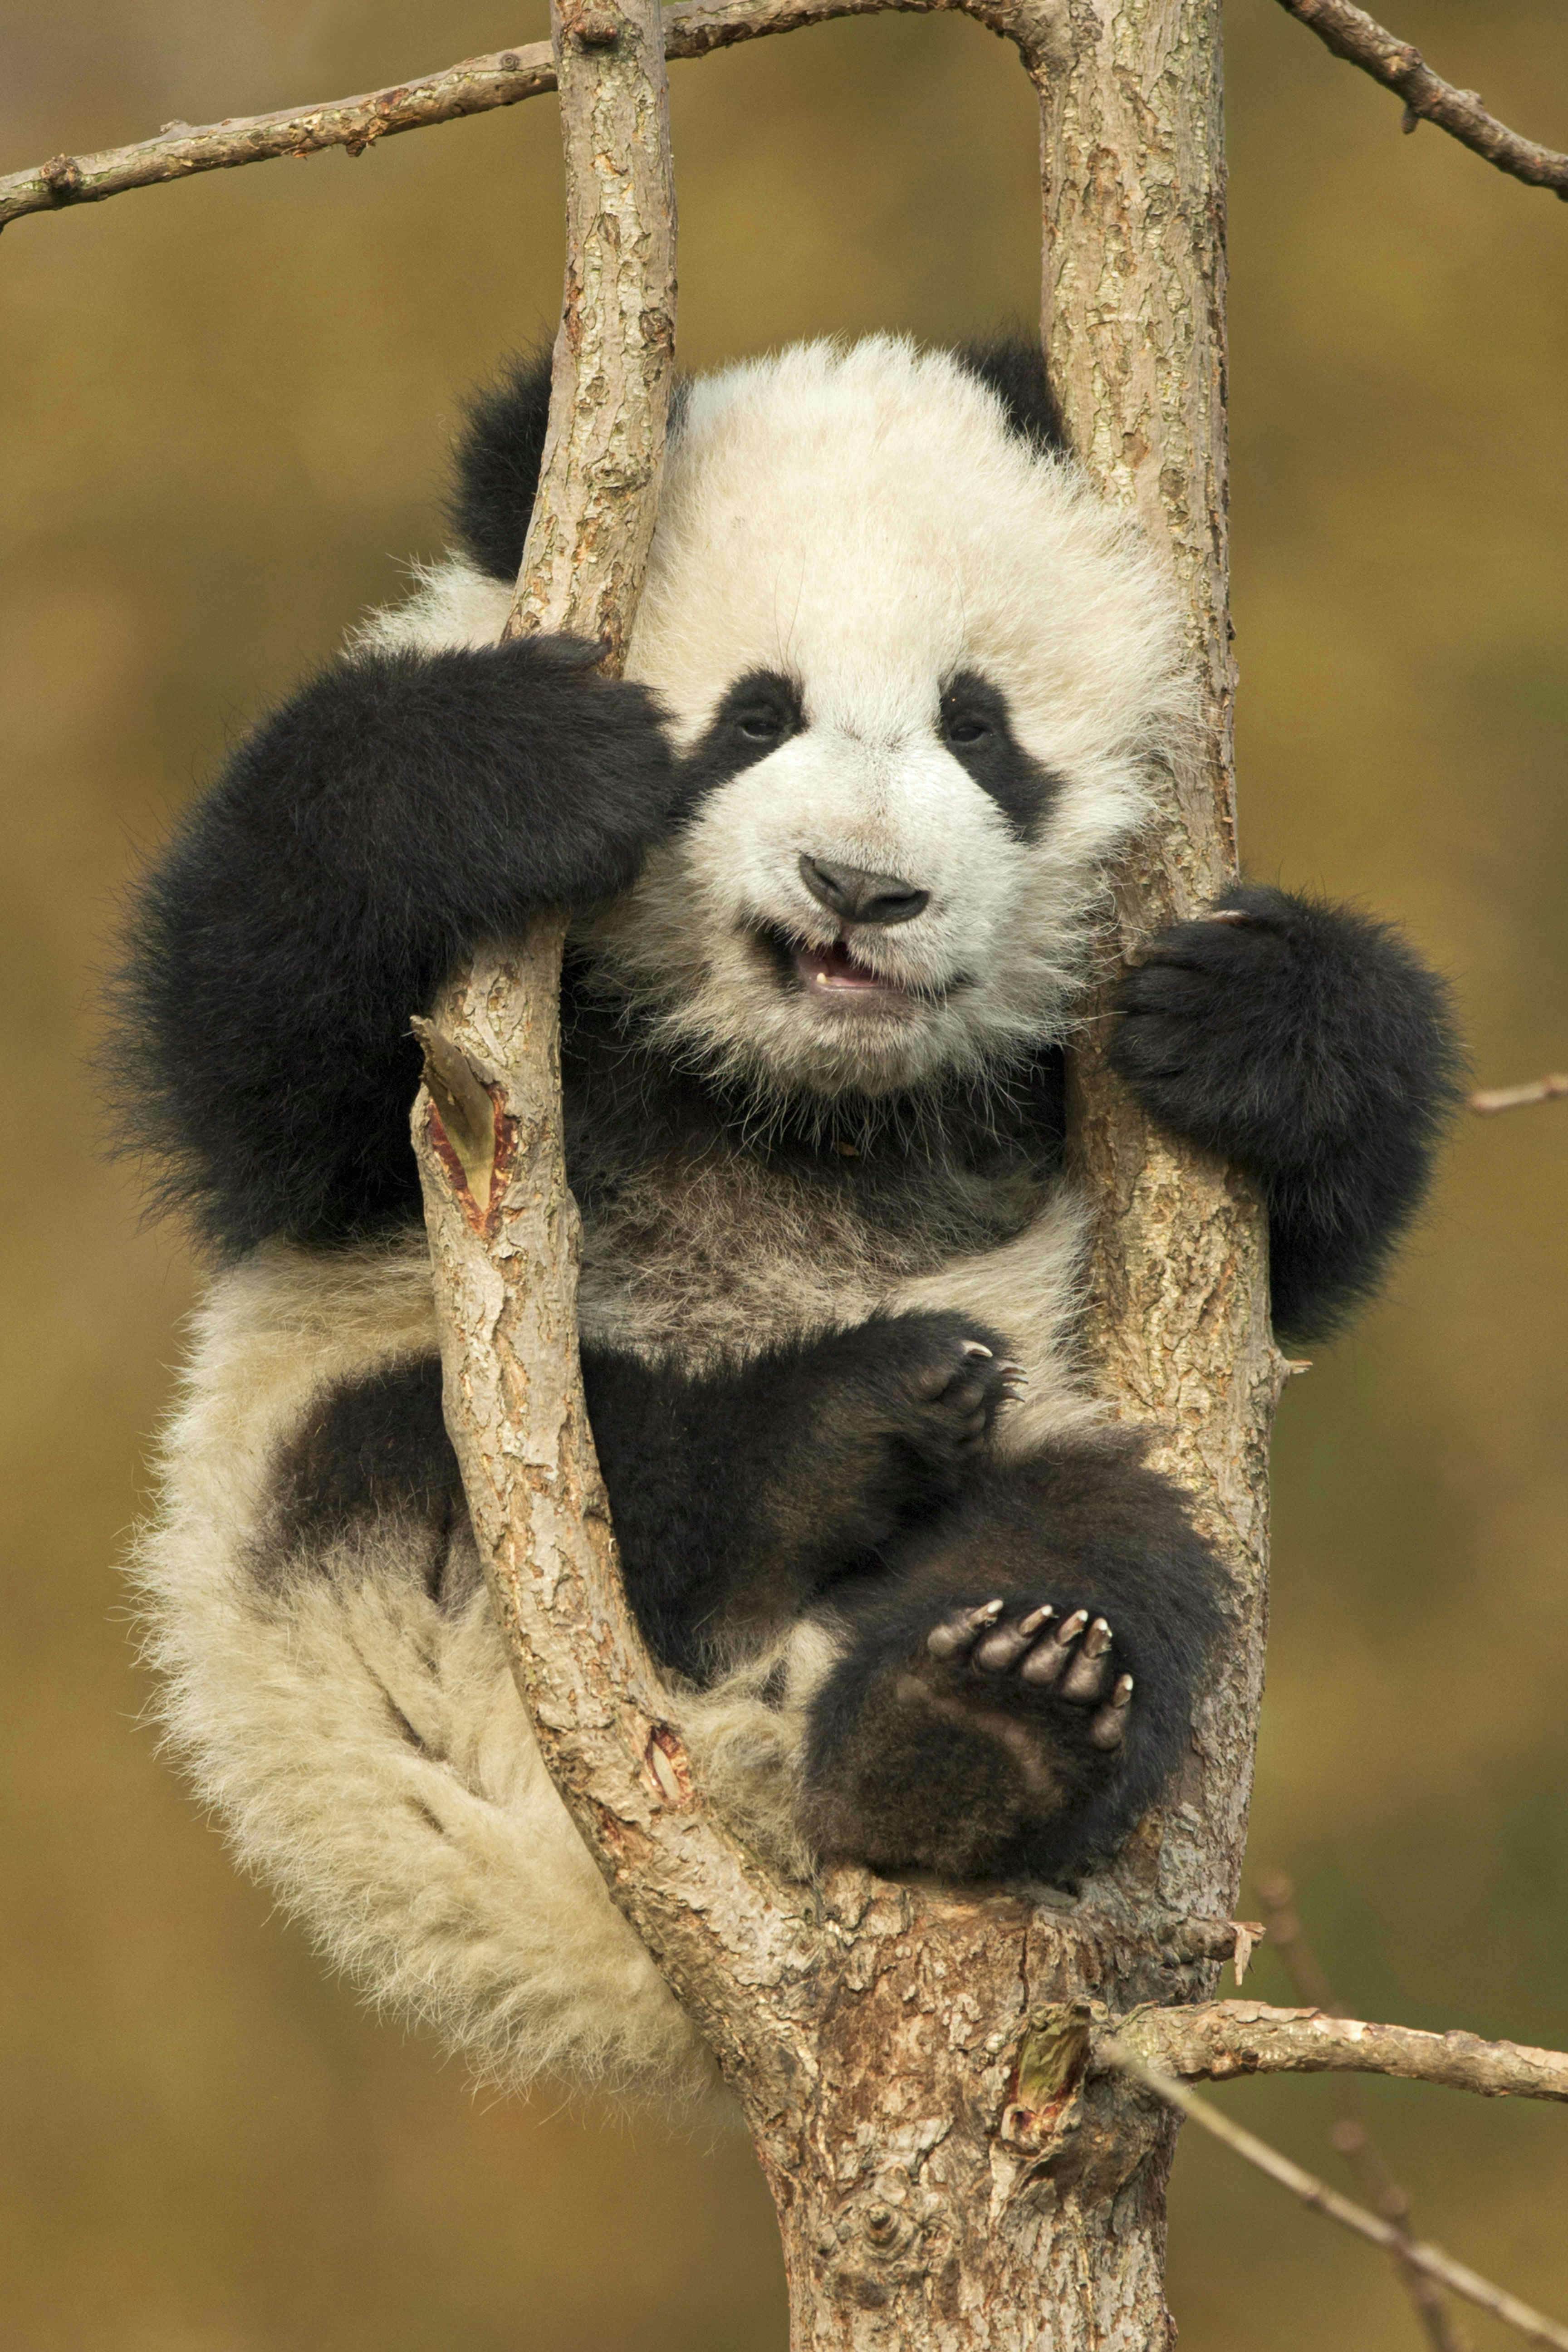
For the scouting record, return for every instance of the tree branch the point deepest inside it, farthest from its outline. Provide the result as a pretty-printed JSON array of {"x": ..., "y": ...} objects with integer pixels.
[
  {"x": 1215, "y": 2041},
  {"x": 502, "y": 1224},
  {"x": 1357, "y": 37},
  {"x": 1317, "y": 2193},
  {"x": 1553, "y": 1088},
  {"x": 476, "y": 86}
]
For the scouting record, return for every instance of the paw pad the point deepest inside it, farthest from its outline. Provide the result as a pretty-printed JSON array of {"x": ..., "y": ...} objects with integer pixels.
[{"x": 1071, "y": 1655}]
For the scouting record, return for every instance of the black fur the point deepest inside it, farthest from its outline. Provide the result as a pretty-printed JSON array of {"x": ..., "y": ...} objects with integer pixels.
[
  {"x": 498, "y": 464},
  {"x": 977, "y": 729},
  {"x": 364, "y": 1449},
  {"x": 395, "y": 814},
  {"x": 906, "y": 1767},
  {"x": 1015, "y": 366},
  {"x": 742, "y": 1497},
  {"x": 759, "y": 712},
  {"x": 847, "y": 1474},
  {"x": 401, "y": 810},
  {"x": 1308, "y": 1044},
  {"x": 369, "y": 1454}
]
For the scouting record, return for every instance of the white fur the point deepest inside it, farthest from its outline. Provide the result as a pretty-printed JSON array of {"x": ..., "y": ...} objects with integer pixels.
[{"x": 863, "y": 521}]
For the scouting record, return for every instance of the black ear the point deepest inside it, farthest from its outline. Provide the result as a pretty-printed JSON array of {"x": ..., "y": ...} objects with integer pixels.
[
  {"x": 1015, "y": 366},
  {"x": 497, "y": 462}
]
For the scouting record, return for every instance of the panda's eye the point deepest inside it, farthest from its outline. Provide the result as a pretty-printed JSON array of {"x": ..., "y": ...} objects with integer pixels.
[
  {"x": 761, "y": 726},
  {"x": 964, "y": 727}
]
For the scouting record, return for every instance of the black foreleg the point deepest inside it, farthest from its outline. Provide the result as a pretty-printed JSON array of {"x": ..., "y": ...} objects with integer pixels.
[
  {"x": 1312, "y": 1045},
  {"x": 400, "y": 811},
  {"x": 740, "y": 1497}
]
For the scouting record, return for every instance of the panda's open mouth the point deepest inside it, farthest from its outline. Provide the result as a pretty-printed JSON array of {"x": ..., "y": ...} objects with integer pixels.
[{"x": 836, "y": 976}]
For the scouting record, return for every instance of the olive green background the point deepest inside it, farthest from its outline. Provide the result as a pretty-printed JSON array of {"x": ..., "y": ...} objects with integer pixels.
[{"x": 225, "y": 412}]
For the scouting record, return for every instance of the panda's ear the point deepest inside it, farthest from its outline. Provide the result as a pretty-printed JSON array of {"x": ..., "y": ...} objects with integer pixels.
[
  {"x": 1014, "y": 366},
  {"x": 498, "y": 461}
]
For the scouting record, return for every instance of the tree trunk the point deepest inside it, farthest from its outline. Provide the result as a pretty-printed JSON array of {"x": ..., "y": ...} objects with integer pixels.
[{"x": 950, "y": 2176}]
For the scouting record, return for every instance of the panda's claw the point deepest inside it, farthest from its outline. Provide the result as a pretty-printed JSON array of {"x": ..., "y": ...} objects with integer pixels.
[
  {"x": 1046, "y": 1660},
  {"x": 959, "y": 1633},
  {"x": 1001, "y": 1649},
  {"x": 978, "y": 1348},
  {"x": 1108, "y": 1727},
  {"x": 1085, "y": 1678}
]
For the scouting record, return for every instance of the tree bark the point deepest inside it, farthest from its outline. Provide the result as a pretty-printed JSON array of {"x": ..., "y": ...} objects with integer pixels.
[{"x": 913, "y": 2062}]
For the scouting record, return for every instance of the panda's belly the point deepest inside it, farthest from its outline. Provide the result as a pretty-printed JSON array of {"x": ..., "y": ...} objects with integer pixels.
[{"x": 712, "y": 1261}]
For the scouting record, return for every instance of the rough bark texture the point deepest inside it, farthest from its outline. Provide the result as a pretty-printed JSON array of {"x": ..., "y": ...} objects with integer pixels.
[
  {"x": 913, "y": 2062},
  {"x": 1134, "y": 312}
]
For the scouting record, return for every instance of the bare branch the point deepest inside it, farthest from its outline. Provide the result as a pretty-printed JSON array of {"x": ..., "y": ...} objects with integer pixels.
[
  {"x": 1317, "y": 2193},
  {"x": 475, "y": 87},
  {"x": 1554, "y": 1088},
  {"x": 502, "y": 1226},
  {"x": 1218, "y": 2040},
  {"x": 1357, "y": 37},
  {"x": 1351, "y": 2136}
]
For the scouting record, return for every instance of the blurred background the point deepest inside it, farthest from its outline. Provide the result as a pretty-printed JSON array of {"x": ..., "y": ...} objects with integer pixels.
[{"x": 225, "y": 413}]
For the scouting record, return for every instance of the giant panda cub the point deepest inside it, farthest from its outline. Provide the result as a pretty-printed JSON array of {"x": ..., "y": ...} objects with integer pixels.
[{"x": 837, "y": 848}]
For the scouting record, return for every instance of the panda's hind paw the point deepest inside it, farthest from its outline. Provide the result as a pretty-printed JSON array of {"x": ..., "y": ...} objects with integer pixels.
[{"x": 1070, "y": 1656}]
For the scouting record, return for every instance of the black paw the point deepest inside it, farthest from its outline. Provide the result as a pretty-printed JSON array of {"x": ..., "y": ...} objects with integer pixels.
[
  {"x": 597, "y": 749},
  {"x": 930, "y": 1386},
  {"x": 894, "y": 1418},
  {"x": 1034, "y": 1648},
  {"x": 1217, "y": 1028}
]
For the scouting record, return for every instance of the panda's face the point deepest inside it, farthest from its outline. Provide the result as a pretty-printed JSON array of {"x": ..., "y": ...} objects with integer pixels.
[
  {"x": 916, "y": 673},
  {"x": 836, "y": 909}
]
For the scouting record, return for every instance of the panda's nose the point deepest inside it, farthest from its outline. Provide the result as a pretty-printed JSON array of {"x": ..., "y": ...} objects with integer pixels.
[{"x": 858, "y": 896}]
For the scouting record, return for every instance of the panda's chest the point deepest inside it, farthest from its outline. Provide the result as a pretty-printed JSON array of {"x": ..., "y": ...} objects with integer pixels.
[{"x": 721, "y": 1255}]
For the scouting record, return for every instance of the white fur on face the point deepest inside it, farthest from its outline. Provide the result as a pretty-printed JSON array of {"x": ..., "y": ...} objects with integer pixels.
[{"x": 865, "y": 524}]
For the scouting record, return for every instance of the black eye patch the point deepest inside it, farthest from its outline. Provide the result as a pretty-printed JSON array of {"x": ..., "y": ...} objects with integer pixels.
[
  {"x": 759, "y": 711},
  {"x": 976, "y": 727}
]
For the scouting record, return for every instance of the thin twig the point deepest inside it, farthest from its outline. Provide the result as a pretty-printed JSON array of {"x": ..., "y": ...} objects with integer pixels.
[
  {"x": 1553, "y": 1088},
  {"x": 1361, "y": 41},
  {"x": 475, "y": 87},
  {"x": 1324, "y": 2200},
  {"x": 1220, "y": 2039},
  {"x": 1351, "y": 2136}
]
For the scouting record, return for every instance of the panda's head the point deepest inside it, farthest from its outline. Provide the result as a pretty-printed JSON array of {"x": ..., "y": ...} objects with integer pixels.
[{"x": 918, "y": 673}]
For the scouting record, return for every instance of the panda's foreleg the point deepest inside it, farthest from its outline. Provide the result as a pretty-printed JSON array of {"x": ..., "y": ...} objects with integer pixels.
[
  {"x": 1312, "y": 1045},
  {"x": 401, "y": 810},
  {"x": 741, "y": 1495},
  {"x": 1016, "y": 1696}
]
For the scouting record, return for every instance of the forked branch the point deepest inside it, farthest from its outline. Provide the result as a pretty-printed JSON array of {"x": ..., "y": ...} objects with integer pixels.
[
  {"x": 1430, "y": 2260},
  {"x": 476, "y": 86},
  {"x": 504, "y": 77}
]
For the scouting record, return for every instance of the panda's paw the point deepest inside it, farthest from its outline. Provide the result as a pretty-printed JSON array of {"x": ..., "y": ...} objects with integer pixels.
[
  {"x": 927, "y": 1388},
  {"x": 1029, "y": 1649},
  {"x": 1208, "y": 1014}
]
